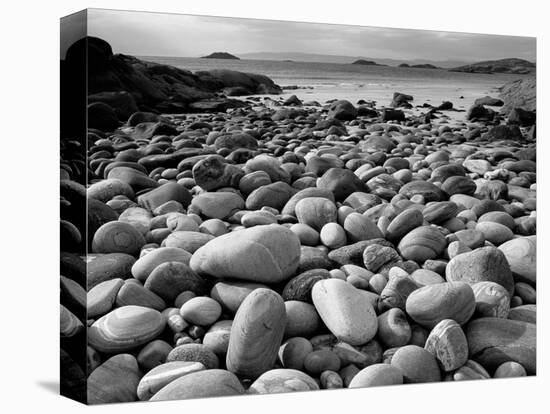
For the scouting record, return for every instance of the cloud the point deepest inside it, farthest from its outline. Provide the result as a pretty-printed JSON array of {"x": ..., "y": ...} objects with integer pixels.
[{"x": 160, "y": 34}]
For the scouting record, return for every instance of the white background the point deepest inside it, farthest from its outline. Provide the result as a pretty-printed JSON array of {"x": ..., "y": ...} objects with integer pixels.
[{"x": 29, "y": 201}]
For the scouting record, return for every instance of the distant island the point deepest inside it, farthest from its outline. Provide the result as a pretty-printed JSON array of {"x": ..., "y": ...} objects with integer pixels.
[
  {"x": 220, "y": 55},
  {"x": 511, "y": 65},
  {"x": 419, "y": 66},
  {"x": 365, "y": 62}
]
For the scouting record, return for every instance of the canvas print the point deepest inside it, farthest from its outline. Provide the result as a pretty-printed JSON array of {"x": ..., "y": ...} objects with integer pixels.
[{"x": 253, "y": 206}]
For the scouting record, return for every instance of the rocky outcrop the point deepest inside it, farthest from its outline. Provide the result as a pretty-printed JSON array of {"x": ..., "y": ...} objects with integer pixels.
[
  {"x": 512, "y": 65},
  {"x": 128, "y": 84},
  {"x": 424, "y": 66},
  {"x": 401, "y": 100},
  {"x": 365, "y": 62},
  {"x": 220, "y": 55},
  {"x": 519, "y": 93}
]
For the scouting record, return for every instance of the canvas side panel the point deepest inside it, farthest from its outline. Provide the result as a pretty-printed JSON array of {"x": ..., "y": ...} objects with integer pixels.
[{"x": 73, "y": 235}]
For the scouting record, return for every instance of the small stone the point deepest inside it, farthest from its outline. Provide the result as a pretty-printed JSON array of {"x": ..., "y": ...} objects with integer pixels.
[
  {"x": 162, "y": 375},
  {"x": 116, "y": 380},
  {"x": 345, "y": 311},
  {"x": 448, "y": 344},
  {"x": 416, "y": 364},
  {"x": 377, "y": 375},
  {"x": 201, "y": 310}
]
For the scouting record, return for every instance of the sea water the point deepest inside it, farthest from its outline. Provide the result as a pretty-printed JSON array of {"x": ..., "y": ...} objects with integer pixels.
[{"x": 326, "y": 81}]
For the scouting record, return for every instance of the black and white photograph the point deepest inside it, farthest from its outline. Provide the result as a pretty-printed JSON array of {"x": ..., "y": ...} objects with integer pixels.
[{"x": 253, "y": 206}]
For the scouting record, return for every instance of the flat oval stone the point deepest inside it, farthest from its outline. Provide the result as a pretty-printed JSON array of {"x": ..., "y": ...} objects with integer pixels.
[
  {"x": 510, "y": 369},
  {"x": 439, "y": 212},
  {"x": 321, "y": 360},
  {"x": 143, "y": 267},
  {"x": 430, "y": 304},
  {"x": 290, "y": 206},
  {"x": 212, "y": 172},
  {"x": 425, "y": 277},
  {"x": 105, "y": 190},
  {"x": 493, "y": 341},
  {"x": 316, "y": 212},
  {"x": 102, "y": 297},
  {"x": 256, "y": 334},
  {"x": 164, "y": 374},
  {"x": 492, "y": 300},
  {"x": 125, "y": 328},
  {"x": 448, "y": 344},
  {"x": 482, "y": 264},
  {"x": 201, "y": 384},
  {"x": 301, "y": 319},
  {"x": 403, "y": 223},
  {"x": 153, "y": 354},
  {"x": 132, "y": 293},
  {"x": 422, "y": 243},
  {"x": 521, "y": 254},
  {"x": 282, "y": 380},
  {"x": 299, "y": 287},
  {"x": 345, "y": 311},
  {"x": 110, "y": 266},
  {"x": 294, "y": 351},
  {"x": 359, "y": 227},
  {"x": 498, "y": 217},
  {"x": 201, "y": 310},
  {"x": 273, "y": 195},
  {"x": 138, "y": 217},
  {"x": 427, "y": 190},
  {"x": 267, "y": 254},
  {"x": 230, "y": 294},
  {"x": 217, "y": 337},
  {"x": 524, "y": 313},
  {"x": 341, "y": 182},
  {"x": 169, "y": 191},
  {"x": 69, "y": 324},
  {"x": 252, "y": 181},
  {"x": 416, "y": 364},
  {"x": 393, "y": 328},
  {"x": 116, "y": 380},
  {"x": 117, "y": 237},
  {"x": 169, "y": 279},
  {"x": 377, "y": 375},
  {"x": 494, "y": 232},
  {"x": 218, "y": 205},
  {"x": 189, "y": 241},
  {"x": 194, "y": 352},
  {"x": 333, "y": 235},
  {"x": 258, "y": 218},
  {"x": 136, "y": 179}
]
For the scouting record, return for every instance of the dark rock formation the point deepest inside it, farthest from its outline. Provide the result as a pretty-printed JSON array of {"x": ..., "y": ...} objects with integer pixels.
[
  {"x": 487, "y": 100},
  {"x": 424, "y": 66},
  {"x": 365, "y": 62},
  {"x": 127, "y": 84},
  {"x": 519, "y": 93},
  {"x": 522, "y": 117},
  {"x": 503, "y": 132},
  {"x": 220, "y": 55},
  {"x": 512, "y": 65},
  {"x": 480, "y": 113},
  {"x": 401, "y": 100}
]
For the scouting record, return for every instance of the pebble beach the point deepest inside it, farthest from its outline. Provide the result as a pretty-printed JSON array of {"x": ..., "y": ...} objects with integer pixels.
[{"x": 293, "y": 245}]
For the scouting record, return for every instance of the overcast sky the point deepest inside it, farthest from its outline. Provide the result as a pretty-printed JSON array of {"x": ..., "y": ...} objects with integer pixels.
[{"x": 159, "y": 34}]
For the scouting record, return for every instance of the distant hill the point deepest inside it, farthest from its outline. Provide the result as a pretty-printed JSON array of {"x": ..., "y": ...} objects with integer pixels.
[
  {"x": 317, "y": 57},
  {"x": 365, "y": 62},
  {"x": 425, "y": 66},
  {"x": 511, "y": 65},
  {"x": 220, "y": 55}
]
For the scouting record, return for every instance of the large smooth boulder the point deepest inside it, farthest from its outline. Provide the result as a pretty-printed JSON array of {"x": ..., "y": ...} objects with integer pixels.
[{"x": 265, "y": 254}]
